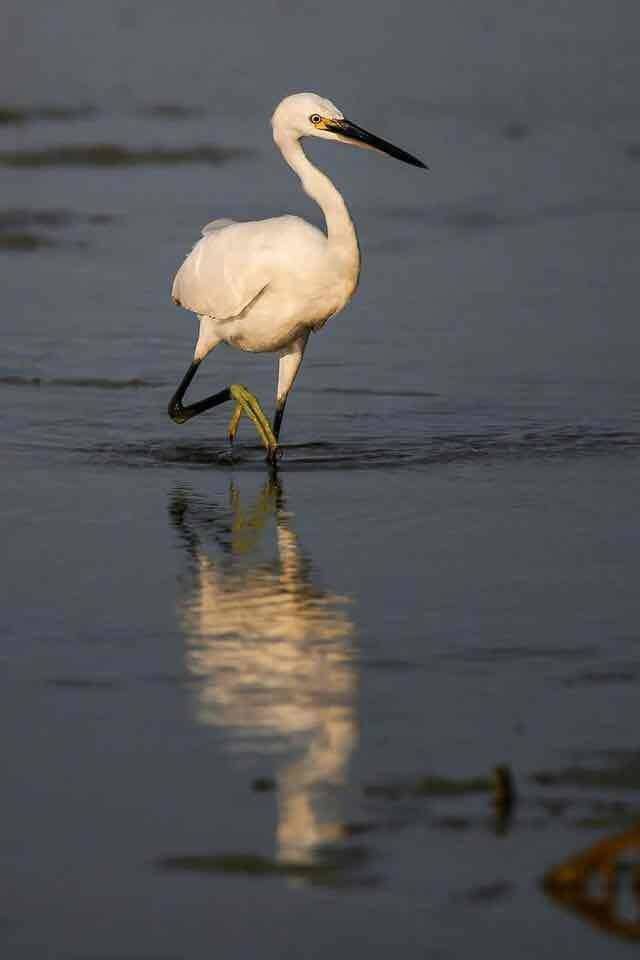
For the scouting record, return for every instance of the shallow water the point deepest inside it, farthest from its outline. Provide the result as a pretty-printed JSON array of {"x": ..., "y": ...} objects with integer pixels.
[{"x": 254, "y": 712}]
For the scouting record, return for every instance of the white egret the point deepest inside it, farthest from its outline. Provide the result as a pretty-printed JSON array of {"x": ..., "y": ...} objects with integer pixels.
[{"x": 264, "y": 285}]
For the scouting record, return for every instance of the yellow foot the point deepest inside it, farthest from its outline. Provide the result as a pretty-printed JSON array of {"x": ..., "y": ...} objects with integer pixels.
[
  {"x": 235, "y": 422},
  {"x": 247, "y": 403}
]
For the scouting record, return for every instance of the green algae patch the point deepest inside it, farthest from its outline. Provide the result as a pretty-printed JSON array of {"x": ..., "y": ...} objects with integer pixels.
[
  {"x": 328, "y": 867},
  {"x": 23, "y": 241},
  {"x": 20, "y": 116},
  {"x": 446, "y": 787},
  {"x": 430, "y": 787}
]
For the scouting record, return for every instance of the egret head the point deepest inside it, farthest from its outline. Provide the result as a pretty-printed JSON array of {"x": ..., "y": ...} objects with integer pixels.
[{"x": 308, "y": 115}]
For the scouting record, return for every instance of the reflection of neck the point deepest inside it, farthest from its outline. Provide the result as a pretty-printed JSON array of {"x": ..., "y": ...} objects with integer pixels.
[
  {"x": 340, "y": 228},
  {"x": 306, "y": 817}
]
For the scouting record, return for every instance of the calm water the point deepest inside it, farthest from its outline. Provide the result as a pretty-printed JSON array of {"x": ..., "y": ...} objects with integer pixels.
[{"x": 248, "y": 713}]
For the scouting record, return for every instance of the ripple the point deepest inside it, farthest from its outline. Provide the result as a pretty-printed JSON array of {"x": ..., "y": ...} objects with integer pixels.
[
  {"x": 371, "y": 392},
  {"x": 379, "y": 453},
  {"x": 514, "y": 654},
  {"x": 484, "y": 216},
  {"x": 95, "y": 383}
]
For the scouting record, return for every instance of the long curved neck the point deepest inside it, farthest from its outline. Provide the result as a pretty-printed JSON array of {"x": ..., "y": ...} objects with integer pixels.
[{"x": 340, "y": 229}]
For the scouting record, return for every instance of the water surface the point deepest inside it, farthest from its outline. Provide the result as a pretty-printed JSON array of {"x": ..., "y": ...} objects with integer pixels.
[{"x": 254, "y": 712}]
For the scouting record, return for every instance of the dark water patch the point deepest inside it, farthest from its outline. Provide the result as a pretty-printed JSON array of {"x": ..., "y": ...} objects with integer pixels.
[
  {"x": 263, "y": 785},
  {"x": 20, "y": 229},
  {"x": 519, "y": 653},
  {"x": 125, "y": 956},
  {"x": 330, "y": 867},
  {"x": 555, "y": 807},
  {"x": 85, "y": 683},
  {"x": 367, "y": 454},
  {"x": 172, "y": 111},
  {"x": 53, "y": 219},
  {"x": 485, "y": 893},
  {"x": 369, "y": 392},
  {"x": 153, "y": 453},
  {"x": 359, "y": 828},
  {"x": 622, "y": 774},
  {"x": 485, "y": 217},
  {"x": 389, "y": 663},
  {"x": 601, "y": 823},
  {"x": 114, "y": 155},
  {"x": 474, "y": 803},
  {"x": 95, "y": 383},
  {"x": 515, "y": 130},
  {"x": 178, "y": 680},
  {"x": 589, "y": 814},
  {"x": 598, "y": 678},
  {"x": 632, "y": 151},
  {"x": 20, "y": 116},
  {"x": 457, "y": 824},
  {"x": 476, "y": 220}
]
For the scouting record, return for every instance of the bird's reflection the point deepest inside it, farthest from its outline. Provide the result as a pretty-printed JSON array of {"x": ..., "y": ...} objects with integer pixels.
[{"x": 272, "y": 654}]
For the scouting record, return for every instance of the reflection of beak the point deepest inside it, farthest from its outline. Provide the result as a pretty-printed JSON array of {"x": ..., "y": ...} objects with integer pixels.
[{"x": 351, "y": 133}]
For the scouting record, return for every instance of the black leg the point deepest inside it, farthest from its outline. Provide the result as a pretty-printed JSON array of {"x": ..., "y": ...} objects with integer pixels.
[
  {"x": 277, "y": 418},
  {"x": 181, "y": 414}
]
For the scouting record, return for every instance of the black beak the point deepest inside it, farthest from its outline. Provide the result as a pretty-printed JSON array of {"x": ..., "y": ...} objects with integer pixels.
[{"x": 351, "y": 133}]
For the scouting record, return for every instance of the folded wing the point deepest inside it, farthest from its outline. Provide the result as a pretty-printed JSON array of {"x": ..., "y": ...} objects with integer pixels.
[{"x": 226, "y": 270}]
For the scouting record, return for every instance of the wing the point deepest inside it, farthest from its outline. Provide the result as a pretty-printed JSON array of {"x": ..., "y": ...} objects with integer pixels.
[
  {"x": 214, "y": 225},
  {"x": 225, "y": 271},
  {"x": 234, "y": 262}
]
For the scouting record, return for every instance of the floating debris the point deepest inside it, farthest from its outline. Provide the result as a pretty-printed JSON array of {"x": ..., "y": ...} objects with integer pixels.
[{"x": 589, "y": 883}]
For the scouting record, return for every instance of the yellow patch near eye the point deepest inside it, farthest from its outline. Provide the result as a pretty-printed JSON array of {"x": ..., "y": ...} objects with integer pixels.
[
  {"x": 327, "y": 123},
  {"x": 323, "y": 123}
]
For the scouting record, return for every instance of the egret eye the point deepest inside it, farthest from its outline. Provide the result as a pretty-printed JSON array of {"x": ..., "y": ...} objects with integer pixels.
[{"x": 315, "y": 118}]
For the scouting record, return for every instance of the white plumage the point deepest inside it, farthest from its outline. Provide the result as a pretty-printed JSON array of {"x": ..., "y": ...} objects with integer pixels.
[
  {"x": 258, "y": 282},
  {"x": 264, "y": 285}
]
